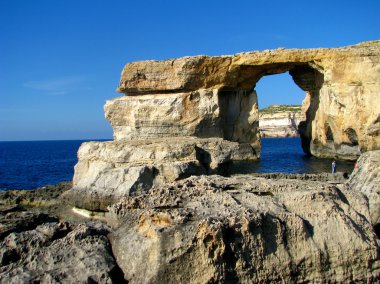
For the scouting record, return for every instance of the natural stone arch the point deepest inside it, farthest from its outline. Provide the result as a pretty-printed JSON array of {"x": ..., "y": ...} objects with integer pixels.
[
  {"x": 304, "y": 75},
  {"x": 339, "y": 83},
  {"x": 197, "y": 115}
]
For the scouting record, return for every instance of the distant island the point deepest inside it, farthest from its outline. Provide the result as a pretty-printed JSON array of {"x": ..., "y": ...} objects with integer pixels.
[{"x": 280, "y": 120}]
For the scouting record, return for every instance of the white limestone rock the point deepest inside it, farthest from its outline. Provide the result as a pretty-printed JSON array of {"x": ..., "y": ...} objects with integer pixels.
[{"x": 107, "y": 171}]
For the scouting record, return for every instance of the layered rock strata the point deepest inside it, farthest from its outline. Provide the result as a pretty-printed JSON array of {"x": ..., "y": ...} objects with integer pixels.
[
  {"x": 341, "y": 85},
  {"x": 280, "y": 121},
  {"x": 204, "y": 108},
  {"x": 107, "y": 171}
]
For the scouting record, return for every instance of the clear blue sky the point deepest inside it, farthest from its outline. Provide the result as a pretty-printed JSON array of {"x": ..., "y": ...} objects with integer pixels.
[{"x": 61, "y": 60}]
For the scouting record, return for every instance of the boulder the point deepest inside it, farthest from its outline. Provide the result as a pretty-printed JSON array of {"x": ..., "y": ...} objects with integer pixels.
[
  {"x": 58, "y": 252},
  {"x": 244, "y": 230},
  {"x": 365, "y": 178}
]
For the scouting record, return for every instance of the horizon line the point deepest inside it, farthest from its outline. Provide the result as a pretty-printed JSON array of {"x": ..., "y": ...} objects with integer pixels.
[{"x": 37, "y": 140}]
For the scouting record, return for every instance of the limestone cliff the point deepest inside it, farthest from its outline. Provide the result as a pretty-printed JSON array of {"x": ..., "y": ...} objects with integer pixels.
[
  {"x": 341, "y": 84},
  {"x": 197, "y": 115},
  {"x": 280, "y": 121}
]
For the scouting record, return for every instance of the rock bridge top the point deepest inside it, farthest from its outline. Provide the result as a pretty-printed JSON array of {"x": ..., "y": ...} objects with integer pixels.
[{"x": 243, "y": 70}]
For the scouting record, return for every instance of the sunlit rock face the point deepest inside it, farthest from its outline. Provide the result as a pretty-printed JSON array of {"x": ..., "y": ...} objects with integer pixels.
[
  {"x": 341, "y": 85},
  {"x": 107, "y": 171},
  {"x": 280, "y": 121},
  {"x": 366, "y": 179},
  {"x": 242, "y": 229},
  {"x": 208, "y": 107},
  {"x": 205, "y": 113}
]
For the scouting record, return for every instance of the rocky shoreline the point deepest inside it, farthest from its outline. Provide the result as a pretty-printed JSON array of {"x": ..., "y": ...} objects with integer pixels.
[
  {"x": 202, "y": 229},
  {"x": 153, "y": 206}
]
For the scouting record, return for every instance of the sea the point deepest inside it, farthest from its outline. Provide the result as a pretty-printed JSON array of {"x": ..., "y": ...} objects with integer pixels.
[{"x": 32, "y": 164}]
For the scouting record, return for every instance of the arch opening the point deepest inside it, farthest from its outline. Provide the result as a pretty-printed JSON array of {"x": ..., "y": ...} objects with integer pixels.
[
  {"x": 305, "y": 78},
  {"x": 238, "y": 102},
  {"x": 310, "y": 81}
]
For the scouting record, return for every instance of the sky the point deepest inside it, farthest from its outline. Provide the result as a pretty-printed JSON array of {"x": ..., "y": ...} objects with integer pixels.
[{"x": 61, "y": 60}]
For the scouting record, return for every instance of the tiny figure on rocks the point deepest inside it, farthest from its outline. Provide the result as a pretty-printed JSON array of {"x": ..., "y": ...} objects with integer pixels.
[{"x": 333, "y": 167}]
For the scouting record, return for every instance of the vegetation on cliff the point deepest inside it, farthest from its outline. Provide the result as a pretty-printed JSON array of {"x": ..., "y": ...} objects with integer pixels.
[{"x": 280, "y": 108}]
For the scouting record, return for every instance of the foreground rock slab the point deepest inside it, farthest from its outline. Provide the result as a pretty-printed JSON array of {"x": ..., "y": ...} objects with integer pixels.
[
  {"x": 57, "y": 252},
  {"x": 366, "y": 179},
  {"x": 41, "y": 242},
  {"x": 245, "y": 229}
]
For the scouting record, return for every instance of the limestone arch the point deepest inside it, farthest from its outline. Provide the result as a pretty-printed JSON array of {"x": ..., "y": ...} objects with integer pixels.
[{"x": 236, "y": 125}]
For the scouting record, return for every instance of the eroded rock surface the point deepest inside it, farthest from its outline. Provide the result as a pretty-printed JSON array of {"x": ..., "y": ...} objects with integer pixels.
[
  {"x": 42, "y": 241},
  {"x": 205, "y": 113},
  {"x": 242, "y": 229},
  {"x": 195, "y": 115},
  {"x": 366, "y": 179},
  {"x": 245, "y": 228},
  {"x": 107, "y": 171},
  {"x": 341, "y": 85},
  {"x": 57, "y": 253}
]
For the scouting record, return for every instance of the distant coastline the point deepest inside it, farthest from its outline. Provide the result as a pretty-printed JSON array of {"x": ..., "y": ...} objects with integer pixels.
[{"x": 280, "y": 121}]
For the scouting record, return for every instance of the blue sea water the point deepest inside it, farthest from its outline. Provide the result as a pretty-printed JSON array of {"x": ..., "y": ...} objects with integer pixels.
[
  {"x": 31, "y": 164},
  {"x": 285, "y": 155},
  {"x": 27, "y": 165}
]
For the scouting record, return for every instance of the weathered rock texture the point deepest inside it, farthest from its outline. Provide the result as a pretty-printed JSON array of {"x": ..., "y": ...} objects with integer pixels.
[
  {"x": 341, "y": 84},
  {"x": 366, "y": 179},
  {"x": 205, "y": 229},
  {"x": 196, "y": 115},
  {"x": 211, "y": 229},
  {"x": 107, "y": 171},
  {"x": 280, "y": 121},
  {"x": 56, "y": 253},
  {"x": 37, "y": 247}
]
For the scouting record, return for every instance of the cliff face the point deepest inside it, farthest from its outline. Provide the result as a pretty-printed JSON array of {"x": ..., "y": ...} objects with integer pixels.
[
  {"x": 341, "y": 84},
  {"x": 280, "y": 121},
  {"x": 183, "y": 120},
  {"x": 196, "y": 115}
]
